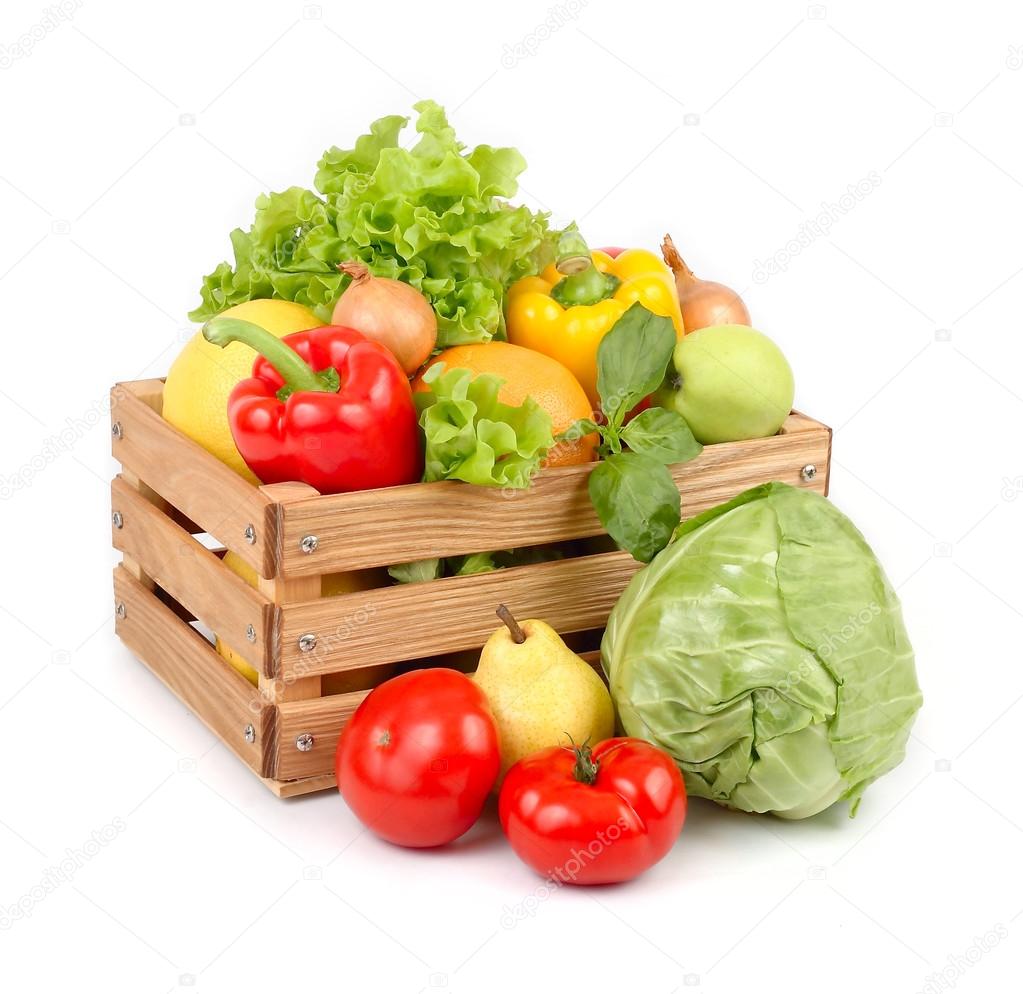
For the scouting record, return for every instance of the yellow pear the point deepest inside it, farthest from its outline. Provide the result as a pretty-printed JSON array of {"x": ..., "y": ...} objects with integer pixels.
[{"x": 541, "y": 693}]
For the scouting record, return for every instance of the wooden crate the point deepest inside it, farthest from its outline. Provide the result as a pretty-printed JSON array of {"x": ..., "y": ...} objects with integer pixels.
[{"x": 171, "y": 490}]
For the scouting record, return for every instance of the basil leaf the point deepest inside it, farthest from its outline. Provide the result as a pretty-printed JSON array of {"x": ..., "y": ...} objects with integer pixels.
[
  {"x": 663, "y": 435},
  {"x": 637, "y": 502},
  {"x": 632, "y": 359}
]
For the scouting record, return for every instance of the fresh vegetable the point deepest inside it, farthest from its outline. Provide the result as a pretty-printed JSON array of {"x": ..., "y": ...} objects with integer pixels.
[
  {"x": 419, "y": 757},
  {"x": 526, "y": 374},
  {"x": 390, "y": 312},
  {"x": 632, "y": 492},
  {"x": 471, "y": 436},
  {"x": 202, "y": 377},
  {"x": 704, "y": 303},
  {"x": 541, "y": 692},
  {"x": 765, "y": 650},
  {"x": 597, "y": 816},
  {"x": 433, "y": 216},
  {"x": 477, "y": 562},
  {"x": 326, "y": 407},
  {"x": 566, "y": 311},
  {"x": 729, "y": 383}
]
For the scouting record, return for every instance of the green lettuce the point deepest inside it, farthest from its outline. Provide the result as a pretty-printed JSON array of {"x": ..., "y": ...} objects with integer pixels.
[
  {"x": 471, "y": 436},
  {"x": 764, "y": 648},
  {"x": 477, "y": 562},
  {"x": 433, "y": 215}
]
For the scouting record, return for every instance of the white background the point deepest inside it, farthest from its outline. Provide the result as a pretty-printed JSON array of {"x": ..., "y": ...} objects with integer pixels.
[{"x": 134, "y": 137}]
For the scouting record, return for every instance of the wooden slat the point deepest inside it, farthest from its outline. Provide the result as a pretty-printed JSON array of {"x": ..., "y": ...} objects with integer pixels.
[
  {"x": 192, "y": 574},
  {"x": 286, "y": 590},
  {"x": 417, "y": 620},
  {"x": 195, "y": 482},
  {"x": 298, "y": 788},
  {"x": 322, "y": 718},
  {"x": 191, "y": 668},
  {"x": 399, "y": 524}
]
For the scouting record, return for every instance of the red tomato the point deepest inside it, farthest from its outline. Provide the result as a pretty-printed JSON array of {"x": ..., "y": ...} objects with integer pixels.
[
  {"x": 612, "y": 251},
  {"x": 419, "y": 757},
  {"x": 593, "y": 818}
]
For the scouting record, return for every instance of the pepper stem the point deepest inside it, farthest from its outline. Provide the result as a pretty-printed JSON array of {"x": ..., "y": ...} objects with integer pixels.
[
  {"x": 297, "y": 374},
  {"x": 586, "y": 767},
  {"x": 583, "y": 284},
  {"x": 573, "y": 253},
  {"x": 517, "y": 634}
]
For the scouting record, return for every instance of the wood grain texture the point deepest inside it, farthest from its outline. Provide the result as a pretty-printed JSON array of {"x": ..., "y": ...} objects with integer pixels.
[
  {"x": 299, "y": 788},
  {"x": 414, "y": 621},
  {"x": 191, "y": 668},
  {"x": 191, "y": 574},
  {"x": 195, "y": 482},
  {"x": 323, "y": 719},
  {"x": 285, "y": 590},
  {"x": 400, "y": 524}
]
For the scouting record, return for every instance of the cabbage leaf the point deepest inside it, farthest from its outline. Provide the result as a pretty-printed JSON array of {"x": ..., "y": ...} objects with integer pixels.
[{"x": 764, "y": 648}]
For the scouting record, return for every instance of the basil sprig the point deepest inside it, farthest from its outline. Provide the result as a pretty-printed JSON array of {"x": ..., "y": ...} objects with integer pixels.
[{"x": 632, "y": 491}]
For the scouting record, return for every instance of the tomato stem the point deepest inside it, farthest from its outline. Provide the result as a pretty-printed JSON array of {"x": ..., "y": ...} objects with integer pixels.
[
  {"x": 517, "y": 634},
  {"x": 586, "y": 767}
]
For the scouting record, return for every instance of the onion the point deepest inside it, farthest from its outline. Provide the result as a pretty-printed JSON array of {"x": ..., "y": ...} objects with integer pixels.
[
  {"x": 390, "y": 312},
  {"x": 704, "y": 303}
]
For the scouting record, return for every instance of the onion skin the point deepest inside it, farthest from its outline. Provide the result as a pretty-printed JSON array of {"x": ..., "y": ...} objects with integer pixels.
[
  {"x": 704, "y": 303},
  {"x": 390, "y": 312}
]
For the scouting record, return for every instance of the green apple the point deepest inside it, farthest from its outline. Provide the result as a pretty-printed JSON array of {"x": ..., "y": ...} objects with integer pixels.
[{"x": 731, "y": 383}]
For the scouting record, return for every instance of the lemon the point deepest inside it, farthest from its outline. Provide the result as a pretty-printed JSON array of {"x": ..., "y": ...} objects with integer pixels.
[
  {"x": 203, "y": 375},
  {"x": 332, "y": 584}
]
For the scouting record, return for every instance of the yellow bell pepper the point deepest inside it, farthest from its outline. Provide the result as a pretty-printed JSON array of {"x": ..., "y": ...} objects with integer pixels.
[{"x": 566, "y": 310}]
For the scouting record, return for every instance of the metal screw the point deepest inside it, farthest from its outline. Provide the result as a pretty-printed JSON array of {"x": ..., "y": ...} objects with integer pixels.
[
  {"x": 309, "y": 543},
  {"x": 117, "y": 430},
  {"x": 304, "y": 742},
  {"x": 121, "y": 612},
  {"x": 250, "y": 734},
  {"x": 808, "y": 472},
  {"x": 307, "y": 642},
  {"x": 117, "y": 519},
  {"x": 250, "y": 534},
  {"x": 250, "y": 633}
]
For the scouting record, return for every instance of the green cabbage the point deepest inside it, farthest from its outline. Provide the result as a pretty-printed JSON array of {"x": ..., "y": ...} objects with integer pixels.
[
  {"x": 764, "y": 649},
  {"x": 431, "y": 215}
]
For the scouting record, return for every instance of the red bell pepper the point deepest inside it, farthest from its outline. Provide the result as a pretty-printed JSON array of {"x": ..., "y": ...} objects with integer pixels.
[{"x": 326, "y": 407}]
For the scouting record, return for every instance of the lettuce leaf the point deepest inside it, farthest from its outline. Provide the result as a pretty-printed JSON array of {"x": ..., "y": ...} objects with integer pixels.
[
  {"x": 431, "y": 215},
  {"x": 471, "y": 436},
  {"x": 477, "y": 562}
]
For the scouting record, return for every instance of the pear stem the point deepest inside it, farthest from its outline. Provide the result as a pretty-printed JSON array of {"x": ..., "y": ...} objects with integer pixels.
[{"x": 517, "y": 634}]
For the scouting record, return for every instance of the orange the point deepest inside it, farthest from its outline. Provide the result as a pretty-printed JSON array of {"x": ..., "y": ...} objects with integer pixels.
[{"x": 529, "y": 374}]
